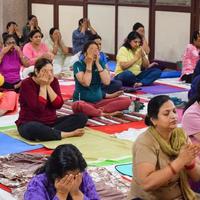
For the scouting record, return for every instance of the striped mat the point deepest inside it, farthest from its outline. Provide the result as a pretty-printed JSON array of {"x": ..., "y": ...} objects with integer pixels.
[{"x": 102, "y": 121}]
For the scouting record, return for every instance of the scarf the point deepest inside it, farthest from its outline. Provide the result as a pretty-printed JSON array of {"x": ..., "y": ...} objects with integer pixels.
[{"x": 178, "y": 138}]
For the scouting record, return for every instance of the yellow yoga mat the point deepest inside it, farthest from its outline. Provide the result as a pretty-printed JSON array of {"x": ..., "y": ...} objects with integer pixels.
[{"x": 94, "y": 145}]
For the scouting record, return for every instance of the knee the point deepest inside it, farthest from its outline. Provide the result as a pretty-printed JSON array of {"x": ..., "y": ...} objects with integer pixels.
[
  {"x": 157, "y": 72},
  {"x": 77, "y": 106}
]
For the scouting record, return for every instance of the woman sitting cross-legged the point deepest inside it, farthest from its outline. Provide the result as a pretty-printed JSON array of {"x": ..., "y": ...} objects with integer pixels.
[
  {"x": 163, "y": 156},
  {"x": 63, "y": 177},
  {"x": 11, "y": 60},
  {"x": 40, "y": 96},
  {"x": 89, "y": 74},
  {"x": 131, "y": 58}
]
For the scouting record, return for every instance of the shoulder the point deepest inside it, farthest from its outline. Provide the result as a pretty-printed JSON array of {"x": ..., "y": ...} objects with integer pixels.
[
  {"x": 146, "y": 139},
  {"x": 79, "y": 66},
  {"x": 122, "y": 50},
  {"x": 38, "y": 180}
]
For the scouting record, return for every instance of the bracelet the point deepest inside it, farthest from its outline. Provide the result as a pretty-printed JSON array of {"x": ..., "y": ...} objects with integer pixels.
[
  {"x": 172, "y": 168},
  {"x": 89, "y": 70},
  {"x": 190, "y": 167},
  {"x": 101, "y": 70}
]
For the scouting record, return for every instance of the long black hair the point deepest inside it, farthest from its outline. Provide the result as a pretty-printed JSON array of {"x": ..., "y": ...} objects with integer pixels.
[
  {"x": 153, "y": 108},
  {"x": 64, "y": 158}
]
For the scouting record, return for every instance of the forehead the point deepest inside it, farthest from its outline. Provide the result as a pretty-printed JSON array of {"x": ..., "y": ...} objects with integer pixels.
[
  {"x": 168, "y": 105},
  {"x": 93, "y": 46},
  {"x": 10, "y": 39},
  {"x": 47, "y": 67},
  {"x": 37, "y": 34}
]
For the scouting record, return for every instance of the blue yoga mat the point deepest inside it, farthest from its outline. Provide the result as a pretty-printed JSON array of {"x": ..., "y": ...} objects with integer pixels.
[
  {"x": 170, "y": 74},
  {"x": 9, "y": 145},
  {"x": 161, "y": 89},
  {"x": 111, "y": 65},
  {"x": 125, "y": 169}
]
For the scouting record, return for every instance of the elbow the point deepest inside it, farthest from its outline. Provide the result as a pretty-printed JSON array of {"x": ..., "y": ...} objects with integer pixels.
[
  {"x": 148, "y": 186},
  {"x": 107, "y": 82}
]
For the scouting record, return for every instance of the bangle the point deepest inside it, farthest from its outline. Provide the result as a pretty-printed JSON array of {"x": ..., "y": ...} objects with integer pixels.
[
  {"x": 89, "y": 70},
  {"x": 190, "y": 167},
  {"x": 172, "y": 168},
  {"x": 101, "y": 70}
]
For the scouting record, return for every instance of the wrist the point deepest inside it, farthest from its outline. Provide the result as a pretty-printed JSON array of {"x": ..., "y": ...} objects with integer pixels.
[
  {"x": 61, "y": 196},
  {"x": 77, "y": 194},
  {"x": 190, "y": 166}
]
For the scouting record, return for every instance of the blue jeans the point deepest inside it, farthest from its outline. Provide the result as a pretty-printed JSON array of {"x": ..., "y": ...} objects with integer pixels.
[
  {"x": 146, "y": 77},
  {"x": 115, "y": 85}
]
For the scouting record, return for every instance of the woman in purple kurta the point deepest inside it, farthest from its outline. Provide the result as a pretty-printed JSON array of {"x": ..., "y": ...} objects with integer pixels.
[{"x": 63, "y": 177}]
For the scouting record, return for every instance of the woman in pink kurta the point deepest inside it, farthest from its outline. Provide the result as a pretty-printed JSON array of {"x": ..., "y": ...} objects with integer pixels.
[
  {"x": 34, "y": 50},
  {"x": 190, "y": 58}
]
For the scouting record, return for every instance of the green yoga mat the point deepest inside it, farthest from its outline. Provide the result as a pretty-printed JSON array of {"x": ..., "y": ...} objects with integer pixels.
[{"x": 95, "y": 146}]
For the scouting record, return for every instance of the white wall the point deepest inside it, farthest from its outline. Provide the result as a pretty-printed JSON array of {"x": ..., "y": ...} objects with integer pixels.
[
  {"x": 44, "y": 13},
  {"x": 127, "y": 17},
  {"x": 102, "y": 18},
  {"x": 172, "y": 34},
  {"x": 68, "y": 21}
]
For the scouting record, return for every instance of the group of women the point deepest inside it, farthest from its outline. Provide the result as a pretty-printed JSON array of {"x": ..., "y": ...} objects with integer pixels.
[{"x": 164, "y": 157}]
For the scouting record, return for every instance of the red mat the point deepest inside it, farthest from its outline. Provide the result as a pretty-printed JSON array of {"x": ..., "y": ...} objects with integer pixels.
[
  {"x": 67, "y": 91},
  {"x": 112, "y": 129},
  {"x": 43, "y": 150}
]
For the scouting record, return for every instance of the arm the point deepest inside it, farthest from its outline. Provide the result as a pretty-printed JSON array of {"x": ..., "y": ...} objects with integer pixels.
[
  {"x": 84, "y": 78},
  {"x": 91, "y": 28},
  {"x": 145, "y": 59},
  {"x": 23, "y": 59},
  {"x": 151, "y": 179},
  {"x": 122, "y": 58},
  {"x": 30, "y": 96},
  {"x": 4, "y": 50},
  {"x": 90, "y": 192},
  {"x": 36, "y": 190},
  {"x": 28, "y": 52},
  {"x": 64, "y": 49},
  {"x": 145, "y": 46},
  {"x": 104, "y": 75}
]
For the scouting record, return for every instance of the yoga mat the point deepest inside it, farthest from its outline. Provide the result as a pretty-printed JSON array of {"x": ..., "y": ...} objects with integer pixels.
[
  {"x": 111, "y": 65},
  {"x": 162, "y": 89},
  {"x": 125, "y": 169},
  {"x": 95, "y": 146},
  {"x": 9, "y": 145},
  {"x": 112, "y": 129},
  {"x": 67, "y": 91}
]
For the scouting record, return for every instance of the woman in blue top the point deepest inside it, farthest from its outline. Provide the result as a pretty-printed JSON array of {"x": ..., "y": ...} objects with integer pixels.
[{"x": 89, "y": 73}]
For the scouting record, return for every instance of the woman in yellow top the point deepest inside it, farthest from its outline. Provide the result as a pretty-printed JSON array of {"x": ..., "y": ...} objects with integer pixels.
[{"x": 133, "y": 67}]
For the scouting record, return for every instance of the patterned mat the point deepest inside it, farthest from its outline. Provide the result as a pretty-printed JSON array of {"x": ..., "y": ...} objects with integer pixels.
[{"x": 102, "y": 121}]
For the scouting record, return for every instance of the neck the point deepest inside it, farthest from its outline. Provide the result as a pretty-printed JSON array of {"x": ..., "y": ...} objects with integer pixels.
[
  {"x": 164, "y": 133},
  {"x": 35, "y": 45}
]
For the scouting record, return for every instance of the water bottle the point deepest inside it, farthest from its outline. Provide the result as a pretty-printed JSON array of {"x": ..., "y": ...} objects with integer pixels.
[{"x": 131, "y": 108}]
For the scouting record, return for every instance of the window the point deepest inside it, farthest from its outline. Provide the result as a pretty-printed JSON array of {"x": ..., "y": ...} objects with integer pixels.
[
  {"x": 174, "y": 3},
  {"x": 141, "y": 2},
  {"x": 102, "y": 1}
]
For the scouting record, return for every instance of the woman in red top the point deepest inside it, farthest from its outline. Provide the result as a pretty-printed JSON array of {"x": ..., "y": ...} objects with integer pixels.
[{"x": 40, "y": 96}]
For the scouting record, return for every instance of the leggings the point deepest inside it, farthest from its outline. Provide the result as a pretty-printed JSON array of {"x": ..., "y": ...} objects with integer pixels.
[{"x": 34, "y": 130}]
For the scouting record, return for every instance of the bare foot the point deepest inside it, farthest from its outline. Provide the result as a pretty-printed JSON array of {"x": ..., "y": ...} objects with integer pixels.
[
  {"x": 136, "y": 85},
  {"x": 115, "y": 94},
  {"x": 75, "y": 133},
  {"x": 116, "y": 113}
]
